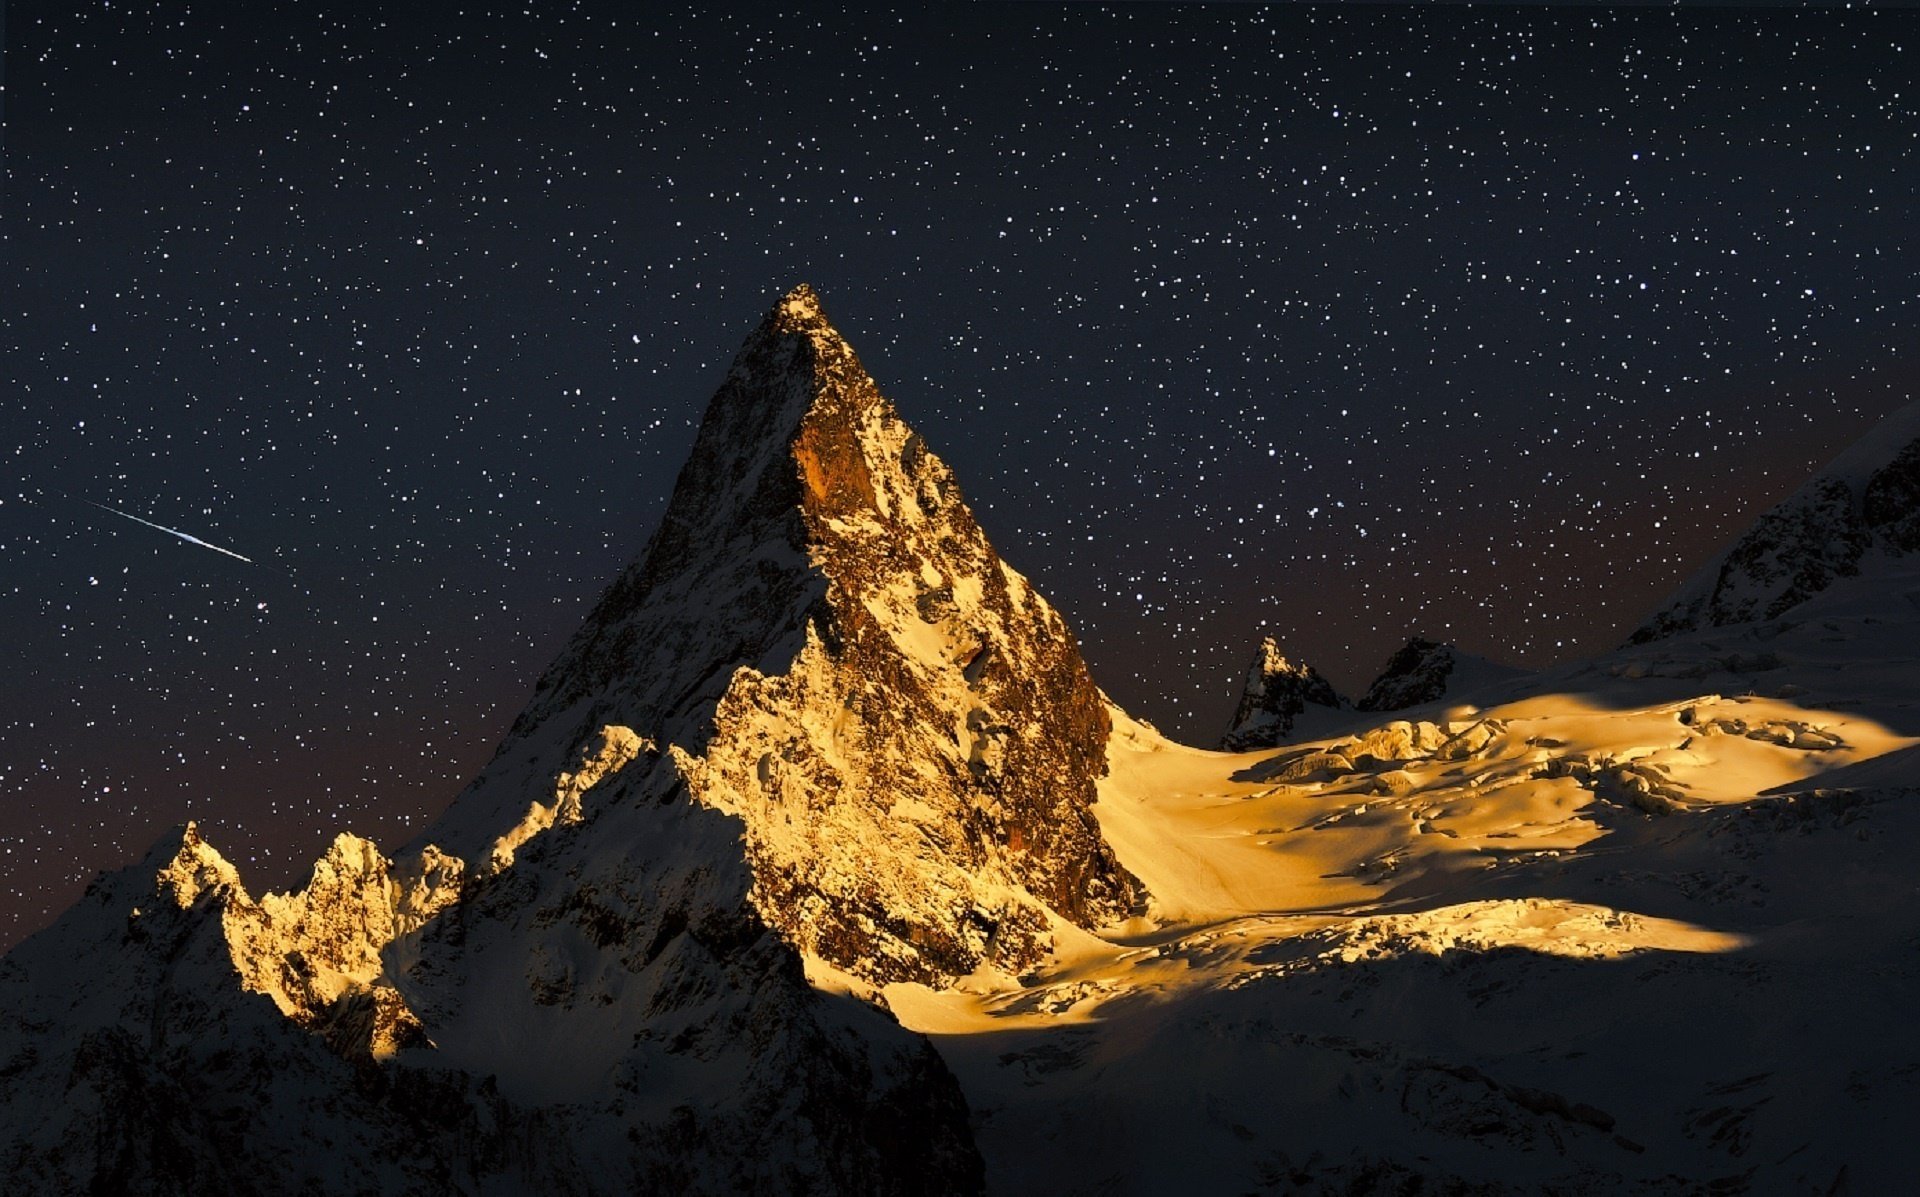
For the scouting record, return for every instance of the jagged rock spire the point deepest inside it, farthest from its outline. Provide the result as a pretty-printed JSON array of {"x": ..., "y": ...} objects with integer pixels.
[{"x": 1277, "y": 691}]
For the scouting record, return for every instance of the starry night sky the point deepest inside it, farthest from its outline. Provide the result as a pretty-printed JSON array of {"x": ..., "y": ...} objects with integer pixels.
[{"x": 1480, "y": 323}]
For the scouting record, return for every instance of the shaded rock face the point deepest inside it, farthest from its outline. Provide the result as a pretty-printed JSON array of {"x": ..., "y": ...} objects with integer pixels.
[
  {"x": 828, "y": 649},
  {"x": 668, "y": 1030},
  {"x": 1416, "y": 674},
  {"x": 1890, "y": 502},
  {"x": 1867, "y": 503},
  {"x": 1276, "y": 693},
  {"x": 1791, "y": 553}
]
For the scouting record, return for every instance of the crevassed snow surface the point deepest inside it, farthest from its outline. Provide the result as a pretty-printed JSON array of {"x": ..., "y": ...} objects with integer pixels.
[{"x": 1648, "y": 918}]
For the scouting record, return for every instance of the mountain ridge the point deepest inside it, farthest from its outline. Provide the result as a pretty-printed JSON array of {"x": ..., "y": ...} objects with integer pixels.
[{"x": 1862, "y": 508}]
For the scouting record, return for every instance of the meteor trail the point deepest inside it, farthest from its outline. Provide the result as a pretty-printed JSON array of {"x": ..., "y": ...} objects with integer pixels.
[{"x": 169, "y": 531}]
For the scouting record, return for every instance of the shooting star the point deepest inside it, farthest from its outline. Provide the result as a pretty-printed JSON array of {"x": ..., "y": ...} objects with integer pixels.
[{"x": 169, "y": 531}]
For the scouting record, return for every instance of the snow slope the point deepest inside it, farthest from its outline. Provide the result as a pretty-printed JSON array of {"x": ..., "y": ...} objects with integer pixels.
[
  {"x": 1642, "y": 923},
  {"x": 1564, "y": 942}
]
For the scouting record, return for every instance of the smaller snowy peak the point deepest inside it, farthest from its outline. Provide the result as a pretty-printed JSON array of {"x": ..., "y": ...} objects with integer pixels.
[
  {"x": 1425, "y": 671},
  {"x": 1866, "y": 504},
  {"x": 315, "y": 952},
  {"x": 1278, "y": 691}
]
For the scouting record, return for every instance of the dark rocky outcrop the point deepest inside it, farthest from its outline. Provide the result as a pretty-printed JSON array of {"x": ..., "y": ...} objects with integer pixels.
[
  {"x": 1890, "y": 502},
  {"x": 1417, "y": 673}
]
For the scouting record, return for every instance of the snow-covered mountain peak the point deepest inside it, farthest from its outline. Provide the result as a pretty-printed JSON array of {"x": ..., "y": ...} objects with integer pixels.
[
  {"x": 821, "y": 643},
  {"x": 800, "y": 310}
]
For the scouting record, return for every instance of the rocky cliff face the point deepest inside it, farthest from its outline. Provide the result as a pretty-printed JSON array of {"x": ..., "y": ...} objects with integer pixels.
[
  {"x": 818, "y": 737},
  {"x": 1862, "y": 508},
  {"x": 1277, "y": 692}
]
